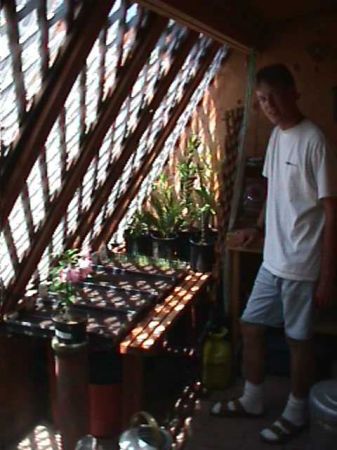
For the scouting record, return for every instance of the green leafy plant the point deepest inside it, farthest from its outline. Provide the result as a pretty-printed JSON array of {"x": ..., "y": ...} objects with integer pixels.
[
  {"x": 72, "y": 267},
  {"x": 164, "y": 215},
  {"x": 138, "y": 225},
  {"x": 188, "y": 172},
  {"x": 204, "y": 197},
  {"x": 205, "y": 209}
]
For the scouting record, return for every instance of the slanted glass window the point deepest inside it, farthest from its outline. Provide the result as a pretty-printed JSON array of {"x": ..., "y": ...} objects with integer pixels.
[
  {"x": 41, "y": 31},
  {"x": 31, "y": 33}
]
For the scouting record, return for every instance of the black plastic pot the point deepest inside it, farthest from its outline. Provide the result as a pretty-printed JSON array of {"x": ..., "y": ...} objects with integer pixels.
[
  {"x": 138, "y": 245},
  {"x": 202, "y": 255},
  {"x": 164, "y": 247},
  {"x": 183, "y": 244},
  {"x": 70, "y": 328}
]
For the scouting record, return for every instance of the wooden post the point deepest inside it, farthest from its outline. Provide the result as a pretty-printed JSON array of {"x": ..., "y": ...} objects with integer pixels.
[
  {"x": 72, "y": 380},
  {"x": 132, "y": 386}
]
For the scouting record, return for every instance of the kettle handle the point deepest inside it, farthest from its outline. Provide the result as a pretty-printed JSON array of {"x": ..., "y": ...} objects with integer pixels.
[{"x": 142, "y": 416}]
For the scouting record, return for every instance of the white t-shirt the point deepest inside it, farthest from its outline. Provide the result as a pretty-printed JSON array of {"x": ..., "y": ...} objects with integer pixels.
[{"x": 301, "y": 169}]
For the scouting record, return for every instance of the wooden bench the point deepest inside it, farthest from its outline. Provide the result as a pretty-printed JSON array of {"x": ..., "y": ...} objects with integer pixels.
[{"x": 147, "y": 336}]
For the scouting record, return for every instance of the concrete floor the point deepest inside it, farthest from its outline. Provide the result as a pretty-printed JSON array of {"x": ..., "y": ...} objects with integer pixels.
[
  {"x": 207, "y": 432},
  {"x": 212, "y": 433}
]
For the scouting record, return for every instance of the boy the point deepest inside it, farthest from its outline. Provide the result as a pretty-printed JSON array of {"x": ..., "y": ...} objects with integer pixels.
[{"x": 299, "y": 258}]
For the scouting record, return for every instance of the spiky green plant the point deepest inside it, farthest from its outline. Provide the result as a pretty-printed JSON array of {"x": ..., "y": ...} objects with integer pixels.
[
  {"x": 139, "y": 224},
  {"x": 204, "y": 198},
  {"x": 164, "y": 215},
  {"x": 187, "y": 171}
]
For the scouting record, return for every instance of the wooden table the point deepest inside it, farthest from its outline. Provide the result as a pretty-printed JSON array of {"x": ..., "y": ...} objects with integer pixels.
[
  {"x": 235, "y": 253},
  {"x": 146, "y": 337}
]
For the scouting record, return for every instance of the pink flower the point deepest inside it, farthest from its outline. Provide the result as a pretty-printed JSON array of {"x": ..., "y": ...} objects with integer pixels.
[
  {"x": 69, "y": 274},
  {"x": 74, "y": 275},
  {"x": 85, "y": 267}
]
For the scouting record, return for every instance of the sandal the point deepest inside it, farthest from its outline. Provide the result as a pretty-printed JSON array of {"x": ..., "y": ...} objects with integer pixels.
[
  {"x": 238, "y": 410},
  {"x": 283, "y": 430}
]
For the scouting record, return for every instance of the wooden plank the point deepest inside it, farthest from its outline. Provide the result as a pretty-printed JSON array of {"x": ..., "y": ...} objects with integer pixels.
[
  {"x": 242, "y": 150},
  {"x": 7, "y": 233},
  {"x": 125, "y": 200},
  {"x": 44, "y": 36},
  {"x": 44, "y": 177},
  {"x": 41, "y": 118},
  {"x": 186, "y": 296},
  {"x": 130, "y": 146},
  {"x": 149, "y": 332},
  {"x": 151, "y": 32},
  {"x": 132, "y": 387},
  {"x": 225, "y": 22},
  {"x": 27, "y": 211},
  {"x": 15, "y": 48}
]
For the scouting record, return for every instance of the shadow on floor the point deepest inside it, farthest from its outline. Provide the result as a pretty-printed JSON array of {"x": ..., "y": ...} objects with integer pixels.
[{"x": 212, "y": 433}]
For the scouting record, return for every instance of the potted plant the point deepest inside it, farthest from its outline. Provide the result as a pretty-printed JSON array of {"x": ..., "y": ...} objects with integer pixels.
[
  {"x": 137, "y": 237},
  {"x": 202, "y": 244},
  {"x": 187, "y": 172},
  {"x": 72, "y": 268},
  {"x": 164, "y": 218}
]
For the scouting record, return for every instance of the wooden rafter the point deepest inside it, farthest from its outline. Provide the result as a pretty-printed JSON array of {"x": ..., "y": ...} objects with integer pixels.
[
  {"x": 123, "y": 203},
  {"x": 146, "y": 41},
  {"x": 41, "y": 118},
  {"x": 224, "y": 21},
  {"x": 15, "y": 48},
  {"x": 43, "y": 25},
  {"x": 117, "y": 167}
]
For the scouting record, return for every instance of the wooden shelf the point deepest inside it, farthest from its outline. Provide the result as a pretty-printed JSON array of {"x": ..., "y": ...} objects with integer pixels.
[{"x": 150, "y": 331}]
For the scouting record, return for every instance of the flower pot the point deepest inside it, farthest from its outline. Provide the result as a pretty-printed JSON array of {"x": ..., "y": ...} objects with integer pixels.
[
  {"x": 183, "y": 244},
  {"x": 164, "y": 247},
  {"x": 70, "y": 328},
  {"x": 138, "y": 244},
  {"x": 202, "y": 256}
]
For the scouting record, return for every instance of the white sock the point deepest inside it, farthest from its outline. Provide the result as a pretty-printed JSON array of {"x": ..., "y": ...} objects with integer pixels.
[
  {"x": 295, "y": 412},
  {"x": 252, "y": 398}
]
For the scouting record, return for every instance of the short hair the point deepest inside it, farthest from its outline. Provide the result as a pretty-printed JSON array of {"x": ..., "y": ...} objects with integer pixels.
[{"x": 276, "y": 74}]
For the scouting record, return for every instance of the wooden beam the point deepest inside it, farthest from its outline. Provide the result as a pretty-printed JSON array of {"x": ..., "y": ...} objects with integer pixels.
[
  {"x": 146, "y": 41},
  {"x": 126, "y": 198},
  {"x": 225, "y": 22},
  {"x": 41, "y": 118},
  {"x": 117, "y": 167},
  {"x": 15, "y": 48}
]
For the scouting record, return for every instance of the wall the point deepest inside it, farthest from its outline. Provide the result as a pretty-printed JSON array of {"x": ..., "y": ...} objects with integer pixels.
[
  {"x": 226, "y": 92},
  {"x": 309, "y": 47}
]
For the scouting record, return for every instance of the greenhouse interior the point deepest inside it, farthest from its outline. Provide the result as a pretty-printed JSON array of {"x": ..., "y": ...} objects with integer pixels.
[{"x": 158, "y": 158}]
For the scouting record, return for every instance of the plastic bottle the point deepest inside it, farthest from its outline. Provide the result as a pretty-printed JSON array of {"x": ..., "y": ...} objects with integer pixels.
[{"x": 217, "y": 360}]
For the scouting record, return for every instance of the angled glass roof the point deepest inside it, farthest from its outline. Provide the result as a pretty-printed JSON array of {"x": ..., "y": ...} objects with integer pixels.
[{"x": 42, "y": 30}]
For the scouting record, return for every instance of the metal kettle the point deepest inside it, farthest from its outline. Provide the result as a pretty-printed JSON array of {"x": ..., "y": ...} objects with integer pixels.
[{"x": 145, "y": 434}]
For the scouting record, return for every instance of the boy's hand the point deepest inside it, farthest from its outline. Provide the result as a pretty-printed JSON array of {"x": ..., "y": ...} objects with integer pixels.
[{"x": 245, "y": 237}]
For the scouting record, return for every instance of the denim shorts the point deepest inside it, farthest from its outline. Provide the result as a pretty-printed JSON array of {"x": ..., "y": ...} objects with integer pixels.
[{"x": 277, "y": 302}]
